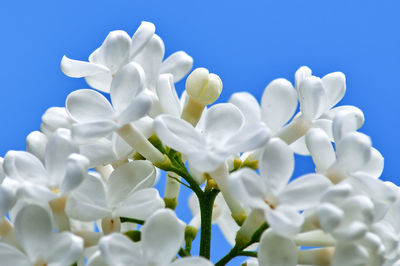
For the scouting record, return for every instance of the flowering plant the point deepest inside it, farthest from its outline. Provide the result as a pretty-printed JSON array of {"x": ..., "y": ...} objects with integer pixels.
[{"x": 94, "y": 164}]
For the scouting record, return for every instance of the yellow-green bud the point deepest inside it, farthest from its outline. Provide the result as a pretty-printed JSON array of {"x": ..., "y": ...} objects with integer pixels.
[{"x": 204, "y": 87}]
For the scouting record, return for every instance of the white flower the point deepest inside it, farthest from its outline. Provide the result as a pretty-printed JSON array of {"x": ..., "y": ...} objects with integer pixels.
[
  {"x": 274, "y": 249},
  {"x": 317, "y": 97},
  {"x": 7, "y": 192},
  {"x": 278, "y": 104},
  {"x": 62, "y": 170},
  {"x": 40, "y": 245},
  {"x": 117, "y": 50},
  {"x": 95, "y": 117},
  {"x": 126, "y": 193},
  {"x": 162, "y": 236},
  {"x": 271, "y": 193},
  {"x": 224, "y": 134},
  {"x": 54, "y": 118}
]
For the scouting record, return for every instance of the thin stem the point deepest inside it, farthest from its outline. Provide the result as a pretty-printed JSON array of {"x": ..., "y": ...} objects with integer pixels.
[
  {"x": 231, "y": 254},
  {"x": 238, "y": 250},
  {"x": 183, "y": 253},
  {"x": 206, "y": 208},
  {"x": 248, "y": 253},
  {"x": 131, "y": 220}
]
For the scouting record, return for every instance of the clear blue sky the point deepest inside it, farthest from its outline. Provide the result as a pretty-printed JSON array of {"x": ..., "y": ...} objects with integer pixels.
[{"x": 248, "y": 43}]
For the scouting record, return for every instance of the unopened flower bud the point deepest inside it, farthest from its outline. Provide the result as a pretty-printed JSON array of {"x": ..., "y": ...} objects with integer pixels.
[{"x": 203, "y": 87}]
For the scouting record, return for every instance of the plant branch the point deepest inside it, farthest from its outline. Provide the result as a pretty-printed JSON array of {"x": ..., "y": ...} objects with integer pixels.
[
  {"x": 131, "y": 220},
  {"x": 206, "y": 208}
]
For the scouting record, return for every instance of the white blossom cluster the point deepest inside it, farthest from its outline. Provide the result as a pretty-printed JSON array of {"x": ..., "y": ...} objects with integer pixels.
[{"x": 83, "y": 191}]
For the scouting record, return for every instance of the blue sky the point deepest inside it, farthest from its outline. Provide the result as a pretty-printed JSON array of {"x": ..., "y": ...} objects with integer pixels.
[{"x": 247, "y": 43}]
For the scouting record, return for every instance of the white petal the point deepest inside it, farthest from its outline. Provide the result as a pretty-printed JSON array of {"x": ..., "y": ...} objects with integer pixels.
[
  {"x": 84, "y": 132},
  {"x": 346, "y": 121},
  {"x": 221, "y": 122},
  {"x": 98, "y": 151},
  {"x": 24, "y": 166},
  {"x": 141, "y": 37},
  {"x": 192, "y": 261},
  {"x": 325, "y": 125},
  {"x": 76, "y": 169},
  {"x": 166, "y": 92},
  {"x": 11, "y": 256},
  {"x": 65, "y": 249},
  {"x": 312, "y": 97},
  {"x": 38, "y": 193},
  {"x": 178, "y": 134},
  {"x": 353, "y": 151},
  {"x": 33, "y": 230},
  {"x": 375, "y": 188},
  {"x": 301, "y": 74},
  {"x": 140, "y": 204},
  {"x": 7, "y": 199},
  {"x": 331, "y": 113},
  {"x": 119, "y": 250},
  {"x": 88, "y": 106},
  {"x": 374, "y": 167},
  {"x": 162, "y": 236},
  {"x": 127, "y": 83},
  {"x": 284, "y": 220},
  {"x": 101, "y": 82},
  {"x": 178, "y": 64},
  {"x": 88, "y": 202},
  {"x": 96, "y": 260},
  {"x": 329, "y": 216},
  {"x": 248, "y": 105},
  {"x": 276, "y": 250},
  {"x": 58, "y": 149},
  {"x": 128, "y": 177},
  {"x": 120, "y": 148},
  {"x": 228, "y": 227},
  {"x": 115, "y": 49},
  {"x": 278, "y": 103},
  {"x": 321, "y": 149},
  {"x": 249, "y": 187},
  {"x": 145, "y": 125},
  {"x": 349, "y": 254},
  {"x": 56, "y": 117},
  {"x": 136, "y": 109},
  {"x": 250, "y": 137},
  {"x": 36, "y": 143},
  {"x": 2, "y": 175},
  {"x": 79, "y": 69},
  {"x": 276, "y": 165},
  {"x": 335, "y": 87},
  {"x": 150, "y": 59},
  {"x": 300, "y": 147},
  {"x": 304, "y": 192}
]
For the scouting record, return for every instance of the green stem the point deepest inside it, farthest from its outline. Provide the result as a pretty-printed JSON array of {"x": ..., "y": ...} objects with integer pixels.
[
  {"x": 232, "y": 253},
  {"x": 206, "y": 208},
  {"x": 131, "y": 220},
  {"x": 248, "y": 253},
  {"x": 238, "y": 250}
]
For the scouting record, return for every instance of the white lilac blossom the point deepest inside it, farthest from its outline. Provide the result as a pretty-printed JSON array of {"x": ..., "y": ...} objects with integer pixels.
[
  {"x": 96, "y": 162},
  {"x": 162, "y": 236},
  {"x": 38, "y": 244},
  {"x": 270, "y": 191}
]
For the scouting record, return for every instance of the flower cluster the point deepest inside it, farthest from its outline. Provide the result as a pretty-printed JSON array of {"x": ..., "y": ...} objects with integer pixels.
[{"x": 83, "y": 191}]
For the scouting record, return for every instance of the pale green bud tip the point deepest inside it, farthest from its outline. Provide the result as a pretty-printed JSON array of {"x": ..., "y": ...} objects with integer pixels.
[
  {"x": 171, "y": 203},
  {"x": 204, "y": 87},
  {"x": 239, "y": 218},
  {"x": 190, "y": 232}
]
